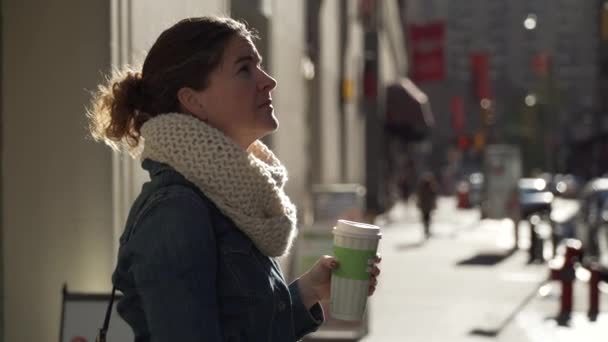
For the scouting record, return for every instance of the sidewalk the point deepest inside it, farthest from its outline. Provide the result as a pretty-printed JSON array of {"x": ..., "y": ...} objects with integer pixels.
[
  {"x": 465, "y": 285},
  {"x": 541, "y": 327}
]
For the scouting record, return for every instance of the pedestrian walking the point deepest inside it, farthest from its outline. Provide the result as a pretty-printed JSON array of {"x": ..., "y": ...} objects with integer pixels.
[
  {"x": 197, "y": 259},
  {"x": 426, "y": 196}
]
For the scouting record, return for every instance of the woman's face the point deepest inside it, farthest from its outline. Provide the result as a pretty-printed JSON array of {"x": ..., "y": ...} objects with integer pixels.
[{"x": 237, "y": 99}]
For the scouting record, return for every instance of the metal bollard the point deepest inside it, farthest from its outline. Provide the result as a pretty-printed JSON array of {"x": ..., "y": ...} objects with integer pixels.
[
  {"x": 566, "y": 276},
  {"x": 594, "y": 292}
]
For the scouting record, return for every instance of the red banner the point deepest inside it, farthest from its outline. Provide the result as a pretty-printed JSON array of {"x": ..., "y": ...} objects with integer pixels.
[
  {"x": 427, "y": 50},
  {"x": 480, "y": 68},
  {"x": 540, "y": 64},
  {"x": 457, "y": 109}
]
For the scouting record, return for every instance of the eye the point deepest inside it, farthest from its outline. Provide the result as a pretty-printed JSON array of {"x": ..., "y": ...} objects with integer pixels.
[{"x": 245, "y": 68}]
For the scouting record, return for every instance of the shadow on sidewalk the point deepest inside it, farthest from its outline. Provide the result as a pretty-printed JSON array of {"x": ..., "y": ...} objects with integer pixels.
[
  {"x": 493, "y": 332},
  {"x": 486, "y": 259},
  {"x": 410, "y": 245}
]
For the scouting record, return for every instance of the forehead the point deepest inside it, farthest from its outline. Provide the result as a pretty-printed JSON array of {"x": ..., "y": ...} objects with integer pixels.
[{"x": 238, "y": 47}]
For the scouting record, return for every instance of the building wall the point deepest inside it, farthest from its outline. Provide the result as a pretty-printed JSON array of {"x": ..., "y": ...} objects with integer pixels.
[
  {"x": 150, "y": 17},
  {"x": 566, "y": 30},
  {"x": 355, "y": 118},
  {"x": 57, "y": 185},
  {"x": 290, "y": 96},
  {"x": 56, "y": 214},
  {"x": 329, "y": 71}
]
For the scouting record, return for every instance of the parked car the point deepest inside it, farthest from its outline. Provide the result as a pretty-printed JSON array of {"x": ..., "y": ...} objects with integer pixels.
[
  {"x": 592, "y": 221},
  {"x": 534, "y": 197}
]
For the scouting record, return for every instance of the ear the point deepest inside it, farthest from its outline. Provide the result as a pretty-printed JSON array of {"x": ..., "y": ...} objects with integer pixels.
[{"x": 190, "y": 101}]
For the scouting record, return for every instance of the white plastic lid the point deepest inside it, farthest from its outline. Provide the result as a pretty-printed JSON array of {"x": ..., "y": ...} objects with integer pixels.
[{"x": 357, "y": 229}]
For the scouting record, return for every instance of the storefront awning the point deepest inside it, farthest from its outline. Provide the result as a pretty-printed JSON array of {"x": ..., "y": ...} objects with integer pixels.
[{"x": 408, "y": 111}]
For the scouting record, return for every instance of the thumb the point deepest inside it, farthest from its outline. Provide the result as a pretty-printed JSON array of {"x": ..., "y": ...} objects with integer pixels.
[{"x": 329, "y": 262}]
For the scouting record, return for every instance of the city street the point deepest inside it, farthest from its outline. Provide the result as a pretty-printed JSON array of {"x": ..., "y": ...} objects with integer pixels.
[{"x": 464, "y": 284}]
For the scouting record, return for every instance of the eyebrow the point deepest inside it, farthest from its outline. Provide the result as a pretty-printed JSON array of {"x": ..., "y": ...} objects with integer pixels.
[{"x": 249, "y": 58}]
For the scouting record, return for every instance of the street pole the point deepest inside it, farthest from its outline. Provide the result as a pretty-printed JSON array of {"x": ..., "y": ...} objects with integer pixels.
[
  {"x": 343, "y": 13},
  {"x": 375, "y": 153},
  {"x": 373, "y": 166},
  {"x": 313, "y": 47}
]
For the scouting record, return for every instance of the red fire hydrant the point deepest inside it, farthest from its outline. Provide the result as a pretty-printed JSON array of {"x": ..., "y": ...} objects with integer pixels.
[
  {"x": 594, "y": 291},
  {"x": 462, "y": 192},
  {"x": 562, "y": 268}
]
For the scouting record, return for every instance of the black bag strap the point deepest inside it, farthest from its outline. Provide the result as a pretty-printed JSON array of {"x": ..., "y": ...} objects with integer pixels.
[{"x": 101, "y": 334}]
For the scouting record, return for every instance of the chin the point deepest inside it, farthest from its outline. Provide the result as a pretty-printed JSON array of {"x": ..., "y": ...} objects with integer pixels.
[
  {"x": 266, "y": 123},
  {"x": 271, "y": 127},
  {"x": 270, "y": 122},
  {"x": 275, "y": 123}
]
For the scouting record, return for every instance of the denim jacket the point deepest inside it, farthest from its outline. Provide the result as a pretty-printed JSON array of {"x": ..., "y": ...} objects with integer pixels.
[{"x": 188, "y": 274}]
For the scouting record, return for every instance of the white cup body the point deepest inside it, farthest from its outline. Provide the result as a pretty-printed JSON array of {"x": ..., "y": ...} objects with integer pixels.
[{"x": 350, "y": 283}]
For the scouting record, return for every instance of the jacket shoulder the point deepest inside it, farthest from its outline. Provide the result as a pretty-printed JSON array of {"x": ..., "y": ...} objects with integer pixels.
[{"x": 170, "y": 193}]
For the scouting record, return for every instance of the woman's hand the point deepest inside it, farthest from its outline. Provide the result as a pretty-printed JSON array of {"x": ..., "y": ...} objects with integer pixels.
[{"x": 315, "y": 284}]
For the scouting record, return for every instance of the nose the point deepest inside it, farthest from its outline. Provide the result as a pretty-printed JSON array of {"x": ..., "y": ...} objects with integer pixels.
[{"x": 267, "y": 83}]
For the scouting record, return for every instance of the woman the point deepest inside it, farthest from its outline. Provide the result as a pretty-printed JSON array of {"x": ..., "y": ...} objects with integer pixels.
[{"x": 197, "y": 257}]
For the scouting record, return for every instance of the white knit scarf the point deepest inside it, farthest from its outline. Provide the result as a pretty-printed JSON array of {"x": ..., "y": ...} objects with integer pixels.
[{"x": 246, "y": 185}]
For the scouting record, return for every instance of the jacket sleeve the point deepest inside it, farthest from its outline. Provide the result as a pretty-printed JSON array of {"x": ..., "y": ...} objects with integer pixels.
[
  {"x": 305, "y": 321},
  {"x": 174, "y": 267}
]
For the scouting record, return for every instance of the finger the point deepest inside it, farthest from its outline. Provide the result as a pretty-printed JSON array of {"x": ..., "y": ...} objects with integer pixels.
[
  {"x": 377, "y": 259},
  {"x": 371, "y": 290},
  {"x": 375, "y": 271},
  {"x": 329, "y": 262},
  {"x": 373, "y": 281}
]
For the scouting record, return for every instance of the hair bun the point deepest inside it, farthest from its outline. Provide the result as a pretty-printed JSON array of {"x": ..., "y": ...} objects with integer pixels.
[{"x": 128, "y": 91}]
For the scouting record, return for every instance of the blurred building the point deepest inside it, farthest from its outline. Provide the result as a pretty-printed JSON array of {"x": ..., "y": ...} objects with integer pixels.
[{"x": 535, "y": 60}]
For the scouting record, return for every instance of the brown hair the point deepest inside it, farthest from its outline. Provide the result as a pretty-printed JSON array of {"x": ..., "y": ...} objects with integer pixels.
[{"x": 183, "y": 56}]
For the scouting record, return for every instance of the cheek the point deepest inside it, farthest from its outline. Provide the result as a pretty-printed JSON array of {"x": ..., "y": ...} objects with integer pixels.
[
  {"x": 235, "y": 103},
  {"x": 244, "y": 89}
]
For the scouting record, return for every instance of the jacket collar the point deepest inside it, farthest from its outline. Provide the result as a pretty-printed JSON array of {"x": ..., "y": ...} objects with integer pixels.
[{"x": 155, "y": 168}]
